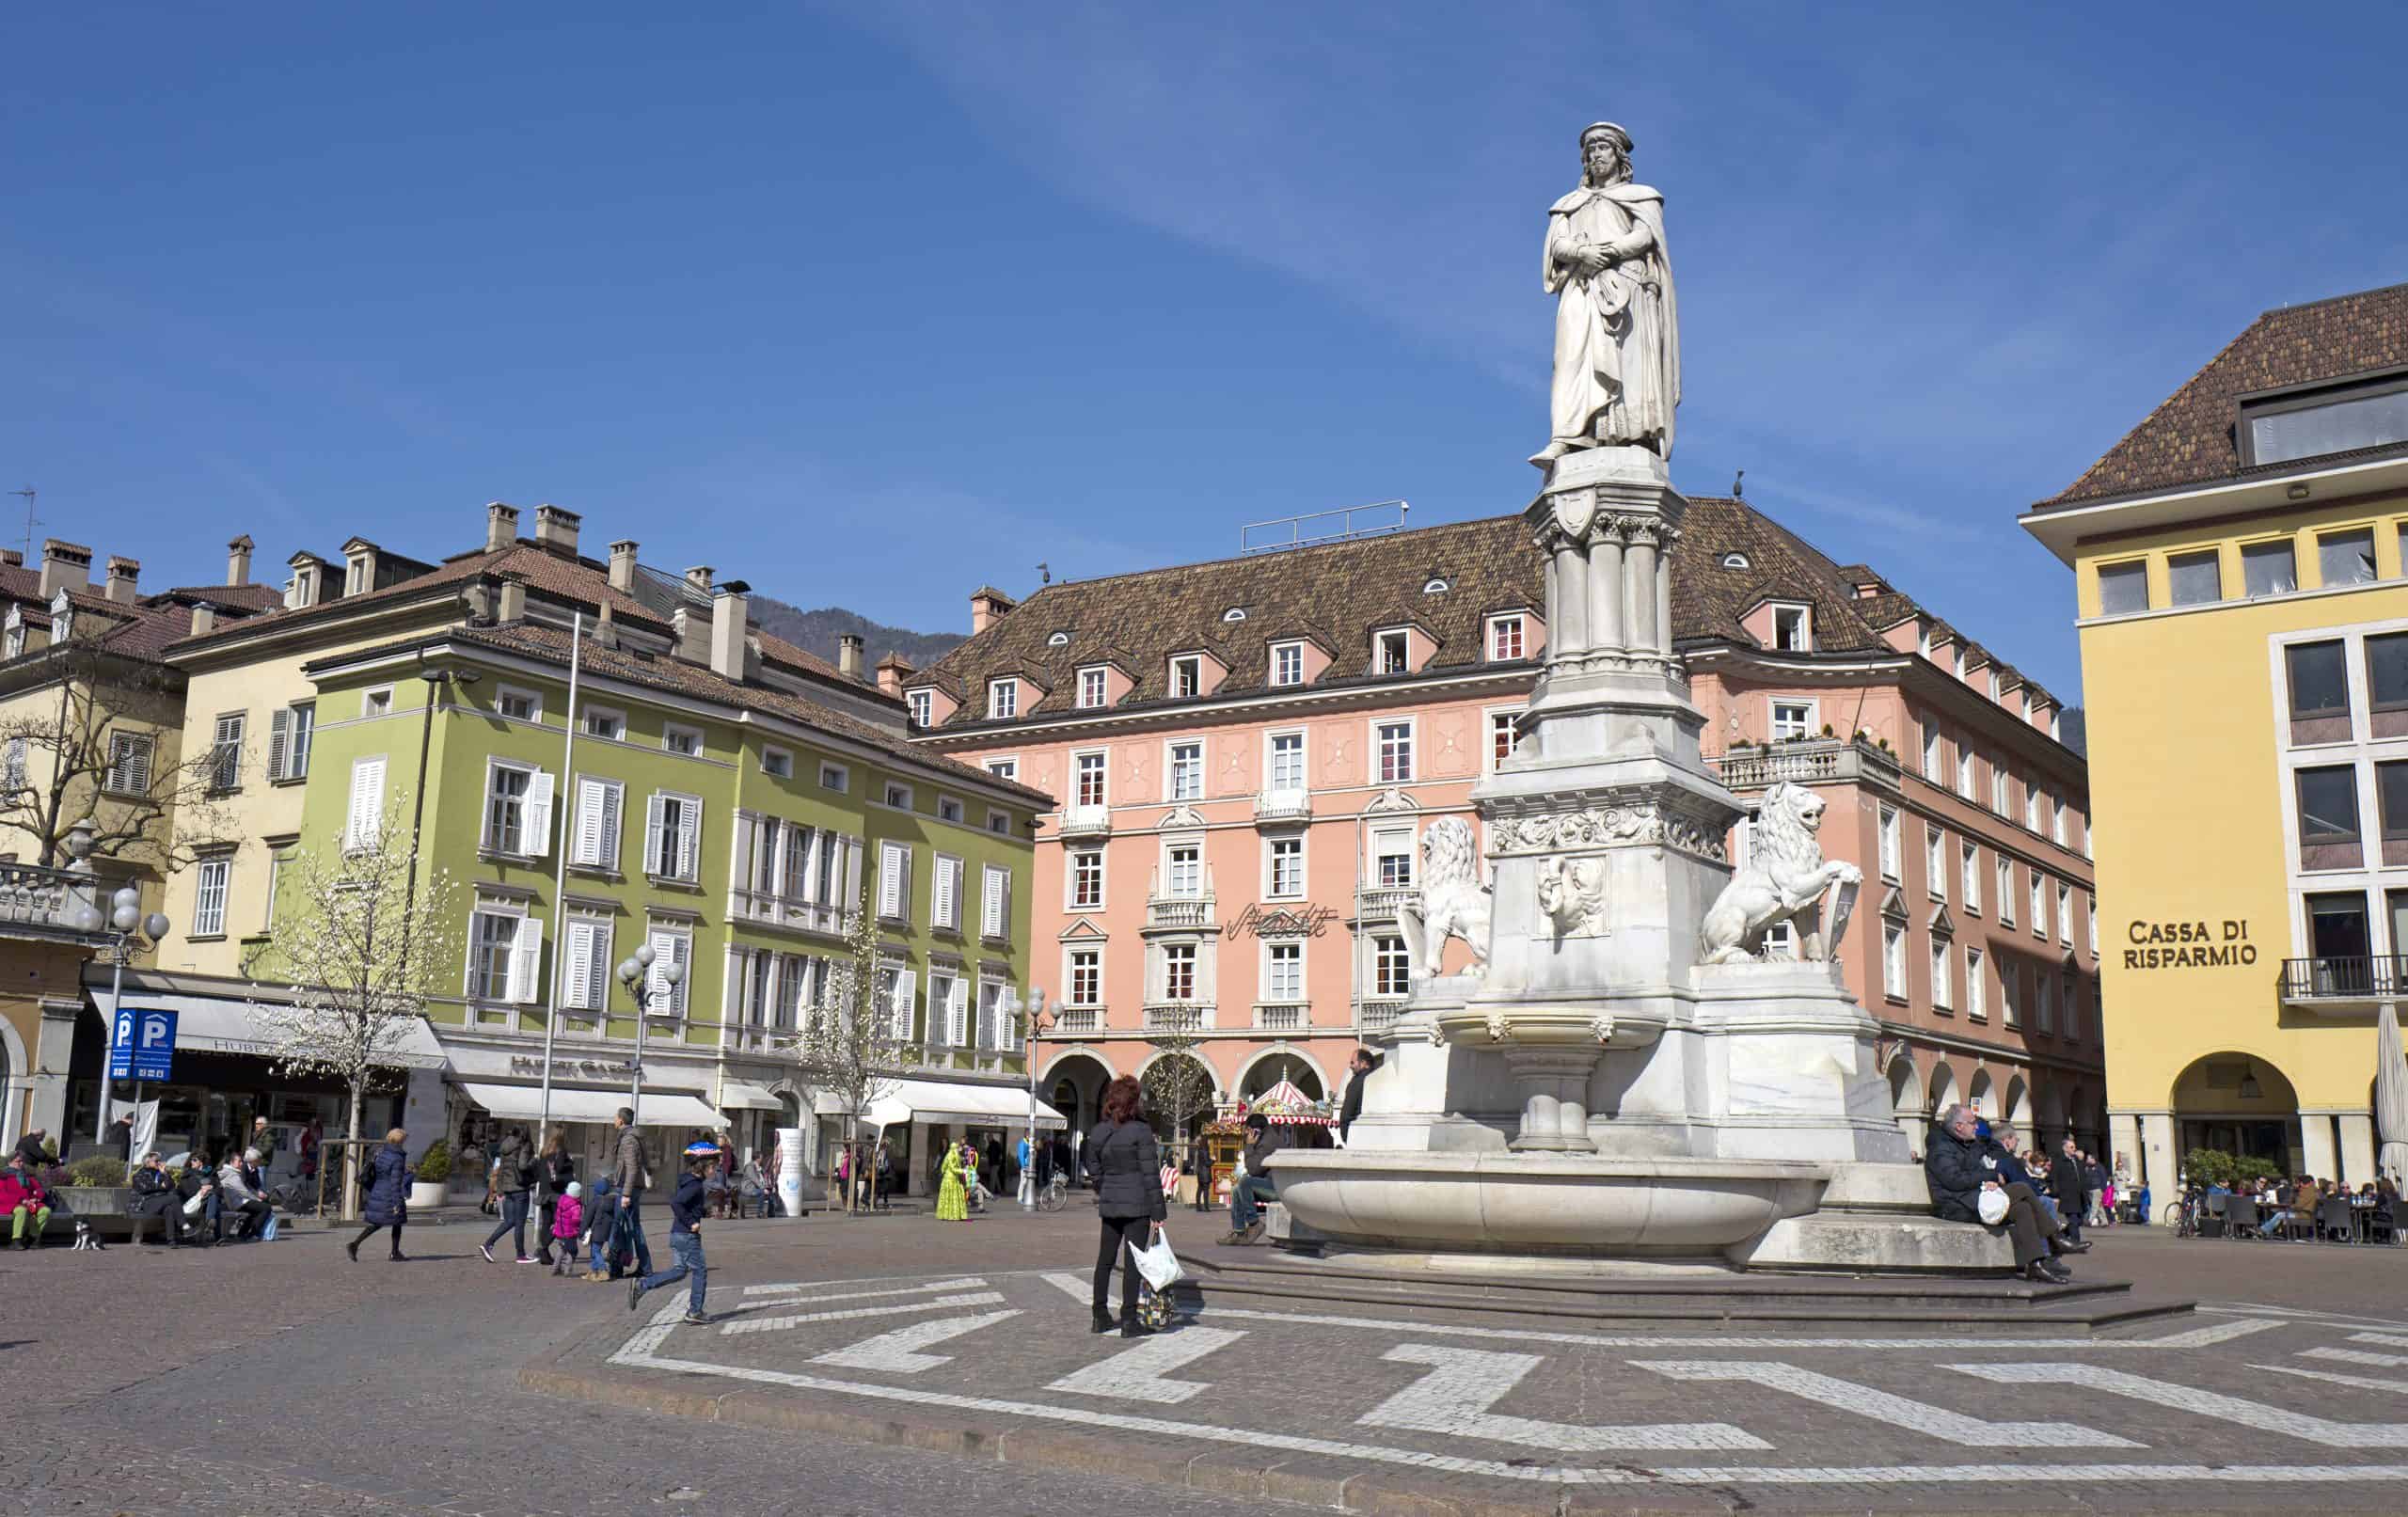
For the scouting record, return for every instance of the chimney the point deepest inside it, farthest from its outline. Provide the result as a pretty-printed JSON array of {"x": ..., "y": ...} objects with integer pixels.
[
  {"x": 699, "y": 578},
  {"x": 728, "y": 615},
  {"x": 606, "y": 628},
  {"x": 65, "y": 563},
  {"x": 123, "y": 571},
  {"x": 501, "y": 527},
  {"x": 988, "y": 605},
  {"x": 514, "y": 601},
  {"x": 623, "y": 565},
  {"x": 893, "y": 670},
  {"x": 13, "y": 559},
  {"x": 204, "y": 621},
  {"x": 849, "y": 655},
  {"x": 691, "y": 627},
  {"x": 556, "y": 530},
  {"x": 238, "y": 560}
]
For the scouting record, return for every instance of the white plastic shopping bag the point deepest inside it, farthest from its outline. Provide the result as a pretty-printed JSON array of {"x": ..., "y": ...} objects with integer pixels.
[
  {"x": 1993, "y": 1206},
  {"x": 1158, "y": 1265}
]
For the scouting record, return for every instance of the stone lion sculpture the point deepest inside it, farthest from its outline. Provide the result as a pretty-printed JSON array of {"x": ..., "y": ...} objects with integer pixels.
[
  {"x": 1785, "y": 877},
  {"x": 1454, "y": 901}
]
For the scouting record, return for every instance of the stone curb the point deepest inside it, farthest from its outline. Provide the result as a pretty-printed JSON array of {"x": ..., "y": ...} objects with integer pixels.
[{"x": 1233, "y": 1471}]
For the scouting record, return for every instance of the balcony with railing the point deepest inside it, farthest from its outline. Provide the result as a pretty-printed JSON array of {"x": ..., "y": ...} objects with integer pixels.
[
  {"x": 1385, "y": 903},
  {"x": 1077, "y": 1022},
  {"x": 1377, "y": 1014},
  {"x": 1192, "y": 913},
  {"x": 47, "y": 900},
  {"x": 1086, "y": 821},
  {"x": 1178, "y": 1017},
  {"x": 1281, "y": 1016},
  {"x": 2335, "y": 983},
  {"x": 1808, "y": 761},
  {"x": 1274, "y": 807}
]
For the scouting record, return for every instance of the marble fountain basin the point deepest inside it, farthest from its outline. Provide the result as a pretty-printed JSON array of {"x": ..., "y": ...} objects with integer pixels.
[{"x": 1560, "y": 1204}]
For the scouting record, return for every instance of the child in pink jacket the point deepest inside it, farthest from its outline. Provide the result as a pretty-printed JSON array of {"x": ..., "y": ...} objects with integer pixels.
[{"x": 567, "y": 1219}]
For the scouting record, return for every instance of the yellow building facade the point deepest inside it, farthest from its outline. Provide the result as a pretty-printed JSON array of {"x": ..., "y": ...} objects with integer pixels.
[{"x": 2243, "y": 624}]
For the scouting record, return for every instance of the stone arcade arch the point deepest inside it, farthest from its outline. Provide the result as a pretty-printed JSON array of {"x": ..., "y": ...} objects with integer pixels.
[
  {"x": 1983, "y": 1096},
  {"x": 1944, "y": 1088},
  {"x": 2018, "y": 1105},
  {"x": 2243, "y": 1104},
  {"x": 1279, "y": 1062},
  {"x": 1072, "y": 1084},
  {"x": 1906, "y": 1103}
]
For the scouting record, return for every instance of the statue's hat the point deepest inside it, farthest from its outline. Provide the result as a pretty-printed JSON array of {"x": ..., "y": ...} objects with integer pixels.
[{"x": 1622, "y": 138}]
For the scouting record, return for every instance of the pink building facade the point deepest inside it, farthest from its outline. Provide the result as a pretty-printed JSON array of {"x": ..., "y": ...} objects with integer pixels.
[{"x": 1245, "y": 754}]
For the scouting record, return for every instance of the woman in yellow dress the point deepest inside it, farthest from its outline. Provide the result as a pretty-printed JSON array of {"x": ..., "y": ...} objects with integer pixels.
[{"x": 953, "y": 1193}]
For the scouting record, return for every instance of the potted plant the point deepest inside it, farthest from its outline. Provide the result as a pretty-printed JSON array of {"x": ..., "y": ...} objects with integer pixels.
[
  {"x": 93, "y": 1186},
  {"x": 434, "y": 1172}
]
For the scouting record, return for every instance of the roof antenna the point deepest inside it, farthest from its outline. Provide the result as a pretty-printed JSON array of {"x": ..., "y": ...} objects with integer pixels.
[
  {"x": 28, "y": 493},
  {"x": 1738, "y": 486},
  {"x": 1047, "y": 571}
]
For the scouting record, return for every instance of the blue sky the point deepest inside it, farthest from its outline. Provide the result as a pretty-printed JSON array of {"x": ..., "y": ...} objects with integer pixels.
[{"x": 871, "y": 305}]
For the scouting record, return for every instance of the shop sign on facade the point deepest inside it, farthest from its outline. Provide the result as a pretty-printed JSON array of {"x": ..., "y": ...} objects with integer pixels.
[{"x": 2185, "y": 946}]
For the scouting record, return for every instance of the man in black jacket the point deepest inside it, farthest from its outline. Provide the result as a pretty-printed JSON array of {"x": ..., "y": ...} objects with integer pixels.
[
  {"x": 154, "y": 1196},
  {"x": 2067, "y": 1183},
  {"x": 1364, "y": 1062},
  {"x": 685, "y": 1236},
  {"x": 1957, "y": 1171}
]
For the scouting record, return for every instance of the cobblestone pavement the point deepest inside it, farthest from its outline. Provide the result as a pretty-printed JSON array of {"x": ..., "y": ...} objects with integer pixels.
[{"x": 282, "y": 1379}]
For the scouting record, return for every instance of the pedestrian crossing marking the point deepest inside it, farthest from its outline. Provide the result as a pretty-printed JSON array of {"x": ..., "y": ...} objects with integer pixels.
[
  {"x": 772, "y": 1324},
  {"x": 1139, "y": 1374},
  {"x": 1462, "y": 1384},
  {"x": 2201, "y": 1403},
  {"x": 1881, "y": 1406},
  {"x": 2364, "y": 1383},
  {"x": 897, "y": 1352}
]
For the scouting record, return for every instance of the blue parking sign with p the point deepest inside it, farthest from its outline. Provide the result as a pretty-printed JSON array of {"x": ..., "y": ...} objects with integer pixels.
[{"x": 142, "y": 1045}]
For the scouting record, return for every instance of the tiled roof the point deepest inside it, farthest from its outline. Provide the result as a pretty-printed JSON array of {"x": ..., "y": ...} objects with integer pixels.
[
  {"x": 1351, "y": 589},
  {"x": 2188, "y": 438},
  {"x": 662, "y": 673},
  {"x": 542, "y": 569},
  {"x": 252, "y": 597}
]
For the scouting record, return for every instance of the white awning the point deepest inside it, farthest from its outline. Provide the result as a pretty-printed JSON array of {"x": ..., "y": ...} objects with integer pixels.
[
  {"x": 588, "y": 1066},
  {"x": 212, "y": 1024},
  {"x": 524, "y": 1103},
  {"x": 743, "y": 1095},
  {"x": 949, "y": 1101}
]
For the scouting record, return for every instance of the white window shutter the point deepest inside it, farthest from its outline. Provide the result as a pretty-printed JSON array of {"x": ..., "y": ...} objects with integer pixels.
[
  {"x": 652, "y": 822},
  {"x": 525, "y": 959},
  {"x": 609, "y": 857},
  {"x": 890, "y": 880},
  {"x": 957, "y": 1014},
  {"x": 689, "y": 838},
  {"x": 993, "y": 926},
  {"x": 367, "y": 801},
  {"x": 904, "y": 985},
  {"x": 947, "y": 896},
  {"x": 535, "y": 816},
  {"x": 745, "y": 828},
  {"x": 668, "y": 948},
  {"x": 587, "y": 846},
  {"x": 279, "y": 737},
  {"x": 852, "y": 851},
  {"x": 1006, "y": 1028}
]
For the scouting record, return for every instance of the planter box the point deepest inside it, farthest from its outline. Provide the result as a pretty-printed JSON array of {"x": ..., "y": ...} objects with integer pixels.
[
  {"x": 96, "y": 1200},
  {"x": 428, "y": 1194}
]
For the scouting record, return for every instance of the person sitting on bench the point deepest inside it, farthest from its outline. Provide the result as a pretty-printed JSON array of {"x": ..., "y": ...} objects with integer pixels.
[
  {"x": 154, "y": 1196},
  {"x": 24, "y": 1201}
]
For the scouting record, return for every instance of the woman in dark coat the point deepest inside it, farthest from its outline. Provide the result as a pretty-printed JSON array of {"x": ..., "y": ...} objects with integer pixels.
[
  {"x": 1125, "y": 1165},
  {"x": 555, "y": 1171},
  {"x": 385, "y": 1199}
]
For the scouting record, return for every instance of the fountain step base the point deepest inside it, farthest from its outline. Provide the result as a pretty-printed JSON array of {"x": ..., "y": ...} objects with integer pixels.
[{"x": 1600, "y": 1294}]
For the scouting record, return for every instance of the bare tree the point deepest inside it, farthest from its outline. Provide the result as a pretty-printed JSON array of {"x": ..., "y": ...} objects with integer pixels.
[
  {"x": 357, "y": 958},
  {"x": 852, "y": 1042},
  {"x": 1179, "y": 1087},
  {"x": 93, "y": 736}
]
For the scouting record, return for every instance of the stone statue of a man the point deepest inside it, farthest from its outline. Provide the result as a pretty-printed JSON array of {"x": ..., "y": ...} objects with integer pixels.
[{"x": 1617, "y": 336}]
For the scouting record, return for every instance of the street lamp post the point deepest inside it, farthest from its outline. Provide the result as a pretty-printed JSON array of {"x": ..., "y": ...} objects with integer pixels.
[
  {"x": 635, "y": 972},
  {"x": 124, "y": 926},
  {"x": 1039, "y": 1020}
]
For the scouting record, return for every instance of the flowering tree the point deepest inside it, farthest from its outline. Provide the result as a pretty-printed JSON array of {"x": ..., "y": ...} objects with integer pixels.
[
  {"x": 1178, "y": 1087},
  {"x": 853, "y": 1039},
  {"x": 357, "y": 956}
]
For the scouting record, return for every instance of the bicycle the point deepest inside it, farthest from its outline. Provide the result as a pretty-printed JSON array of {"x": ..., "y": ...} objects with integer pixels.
[{"x": 1051, "y": 1195}]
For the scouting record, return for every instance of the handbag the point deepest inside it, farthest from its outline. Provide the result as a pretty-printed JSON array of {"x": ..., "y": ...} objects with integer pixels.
[
  {"x": 267, "y": 1231},
  {"x": 1158, "y": 1266}
]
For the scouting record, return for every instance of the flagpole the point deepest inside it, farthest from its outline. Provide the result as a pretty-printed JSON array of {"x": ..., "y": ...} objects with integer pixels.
[{"x": 564, "y": 804}]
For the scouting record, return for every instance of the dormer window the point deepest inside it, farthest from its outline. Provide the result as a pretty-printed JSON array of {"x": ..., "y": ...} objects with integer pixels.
[
  {"x": 1393, "y": 653},
  {"x": 1435, "y": 585},
  {"x": 1286, "y": 663},
  {"x": 1235, "y": 613},
  {"x": 922, "y": 707},
  {"x": 1002, "y": 700},
  {"x": 1792, "y": 629},
  {"x": 2310, "y": 423},
  {"x": 62, "y": 617},
  {"x": 1059, "y": 640},
  {"x": 1091, "y": 687},
  {"x": 1736, "y": 560},
  {"x": 1186, "y": 677},
  {"x": 1993, "y": 684},
  {"x": 1506, "y": 638}
]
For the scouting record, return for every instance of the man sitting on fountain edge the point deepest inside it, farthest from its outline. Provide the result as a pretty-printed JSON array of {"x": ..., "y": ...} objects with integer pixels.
[{"x": 1958, "y": 1169}]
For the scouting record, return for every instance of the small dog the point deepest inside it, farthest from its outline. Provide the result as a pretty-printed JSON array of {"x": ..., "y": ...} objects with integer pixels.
[{"x": 86, "y": 1239}]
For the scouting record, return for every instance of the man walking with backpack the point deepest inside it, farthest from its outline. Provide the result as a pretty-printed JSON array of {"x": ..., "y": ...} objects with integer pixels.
[{"x": 512, "y": 1174}]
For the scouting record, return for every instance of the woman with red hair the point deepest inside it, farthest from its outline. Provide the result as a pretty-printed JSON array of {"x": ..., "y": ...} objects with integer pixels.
[{"x": 1124, "y": 1163}]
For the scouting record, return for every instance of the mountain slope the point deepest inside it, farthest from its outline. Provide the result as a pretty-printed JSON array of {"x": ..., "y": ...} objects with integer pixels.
[{"x": 818, "y": 631}]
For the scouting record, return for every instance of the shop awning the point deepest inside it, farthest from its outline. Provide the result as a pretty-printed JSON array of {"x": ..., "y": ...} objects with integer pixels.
[
  {"x": 948, "y": 1101},
  {"x": 525, "y": 1103},
  {"x": 212, "y": 1024},
  {"x": 743, "y": 1095}
]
